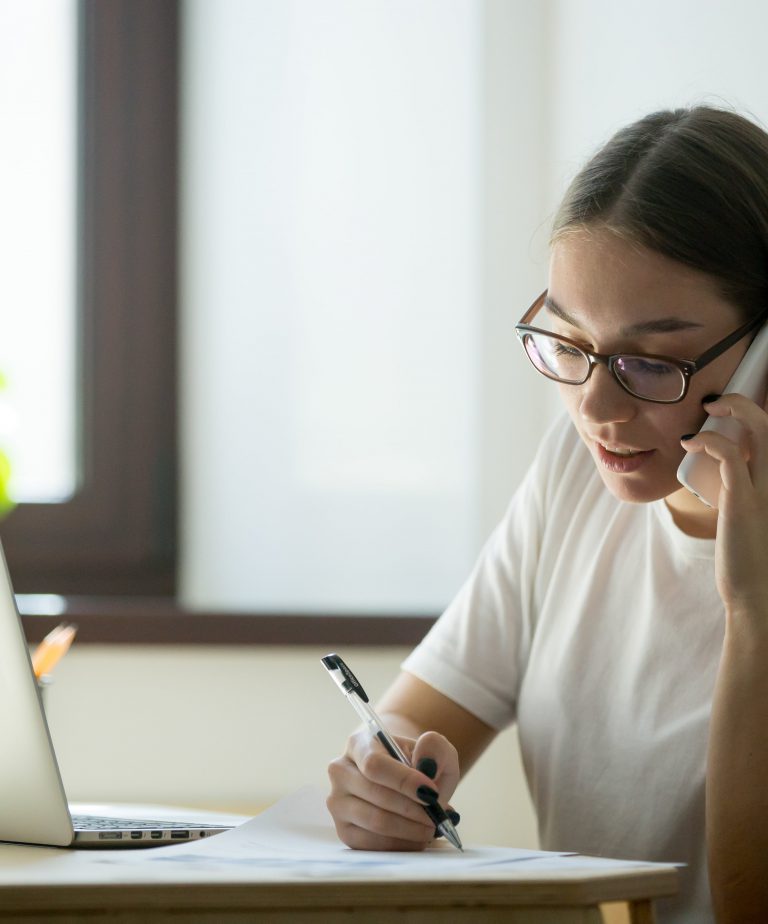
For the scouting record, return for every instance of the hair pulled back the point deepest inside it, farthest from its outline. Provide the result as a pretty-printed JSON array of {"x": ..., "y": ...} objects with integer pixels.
[{"x": 691, "y": 184}]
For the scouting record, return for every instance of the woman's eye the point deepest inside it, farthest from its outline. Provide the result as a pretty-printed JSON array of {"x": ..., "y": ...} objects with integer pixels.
[
  {"x": 648, "y": 367},
  {"x": 562, "y": 349}
]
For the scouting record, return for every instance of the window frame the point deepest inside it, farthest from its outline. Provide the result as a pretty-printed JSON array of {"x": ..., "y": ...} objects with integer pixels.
[{"x": 117, "y": 535}]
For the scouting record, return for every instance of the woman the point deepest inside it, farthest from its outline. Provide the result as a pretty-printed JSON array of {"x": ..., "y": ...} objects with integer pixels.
[{"x": 618, "y": 620}]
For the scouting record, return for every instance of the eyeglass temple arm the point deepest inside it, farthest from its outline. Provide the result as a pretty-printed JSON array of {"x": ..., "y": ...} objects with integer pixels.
[
  {"x": 713, "y": 352},
  {"x": 534, "y": 308}
]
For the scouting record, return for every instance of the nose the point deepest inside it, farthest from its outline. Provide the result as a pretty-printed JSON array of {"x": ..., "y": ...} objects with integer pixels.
[{"x": 603, "y": 400}]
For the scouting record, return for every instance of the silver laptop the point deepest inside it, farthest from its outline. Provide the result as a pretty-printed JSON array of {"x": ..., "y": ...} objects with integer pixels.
[{"x": 33, "y": 805}]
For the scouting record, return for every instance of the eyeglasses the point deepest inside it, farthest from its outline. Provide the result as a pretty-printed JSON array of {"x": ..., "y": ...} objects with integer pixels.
[{"x": 661, "y": 379}]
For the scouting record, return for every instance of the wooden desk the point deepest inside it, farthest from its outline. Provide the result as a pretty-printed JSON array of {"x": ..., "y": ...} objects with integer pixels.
[{"x": 43, "y": 885}]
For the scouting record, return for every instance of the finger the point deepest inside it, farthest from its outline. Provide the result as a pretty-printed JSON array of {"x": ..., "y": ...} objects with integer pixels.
[
  {"x": 346, "y": 778},
  {"x": 734, "y": 472},
  {"x": 753, "y": 419},
  {"x": 348, "y": 810},
  {"x": 379, "y": 767},
  {"x": 360, "y": 839},
  {"x": 437, "y": 748},
  {"x": 427, "y": 766}
]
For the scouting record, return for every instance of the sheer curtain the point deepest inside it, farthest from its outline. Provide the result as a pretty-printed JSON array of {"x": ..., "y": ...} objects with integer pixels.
[{"x": 349, "y": 428}]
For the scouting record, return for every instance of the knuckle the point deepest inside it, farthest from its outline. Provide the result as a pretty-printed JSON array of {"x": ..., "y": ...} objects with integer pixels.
[
  {"x": 338, "y": 770},
  {"x": 370, "y": 765}
]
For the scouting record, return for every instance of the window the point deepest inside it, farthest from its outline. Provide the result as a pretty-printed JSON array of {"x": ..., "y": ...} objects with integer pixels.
[
  {"x": 38, "y": 93},
  {"x": 116, "y": 532}
]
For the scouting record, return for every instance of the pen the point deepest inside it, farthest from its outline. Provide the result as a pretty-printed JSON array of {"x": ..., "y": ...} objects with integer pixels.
[
  {"x": 353, "y": 690},
  {"x": 52, "y": 649}
]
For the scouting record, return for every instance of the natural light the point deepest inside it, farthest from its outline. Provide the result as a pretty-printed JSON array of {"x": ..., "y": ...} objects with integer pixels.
[{"x": 37, "y": 241}]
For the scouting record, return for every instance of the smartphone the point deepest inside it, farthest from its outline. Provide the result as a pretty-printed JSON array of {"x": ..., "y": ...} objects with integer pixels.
[{"x": 699, "y": 472}]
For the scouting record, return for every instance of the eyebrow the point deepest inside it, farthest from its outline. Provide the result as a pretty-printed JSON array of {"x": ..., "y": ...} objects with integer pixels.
[{"x": 657, "y": 326}]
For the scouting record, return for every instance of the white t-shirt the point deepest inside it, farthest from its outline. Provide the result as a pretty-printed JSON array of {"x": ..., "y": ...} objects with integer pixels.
[{"x": 596, "y": 625}]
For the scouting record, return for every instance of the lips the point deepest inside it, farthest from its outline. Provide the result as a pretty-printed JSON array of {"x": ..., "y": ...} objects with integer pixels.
[
  {"x": 622, "y": 459},
  {"x": 620, "y": 451}
]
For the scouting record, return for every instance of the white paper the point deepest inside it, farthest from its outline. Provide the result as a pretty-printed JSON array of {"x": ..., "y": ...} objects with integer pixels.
[{"x": 296, "y": 837}]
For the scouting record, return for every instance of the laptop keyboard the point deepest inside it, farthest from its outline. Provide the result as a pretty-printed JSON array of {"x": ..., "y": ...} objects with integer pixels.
[{"x": 100, "y": 823}]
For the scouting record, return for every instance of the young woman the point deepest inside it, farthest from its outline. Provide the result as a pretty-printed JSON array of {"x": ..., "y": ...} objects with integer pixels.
[{"x": 618, "y": 620}]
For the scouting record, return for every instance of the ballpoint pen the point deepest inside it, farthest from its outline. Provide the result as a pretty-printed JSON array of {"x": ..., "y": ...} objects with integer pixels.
[
  {"x": 52, "y": 649},
  {"x": 353, "y": 690}
]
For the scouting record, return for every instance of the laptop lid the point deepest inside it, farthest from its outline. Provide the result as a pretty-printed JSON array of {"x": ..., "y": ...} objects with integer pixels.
[{"x": 33, "y": 805}]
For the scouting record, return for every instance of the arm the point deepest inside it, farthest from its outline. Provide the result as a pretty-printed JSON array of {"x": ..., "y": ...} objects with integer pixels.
[
  {"x": 417, "y": 707},
  {"x": 737, "y": 775},
  {"x": 374, "y": 800},
  {"x": 737, "y": 760}
]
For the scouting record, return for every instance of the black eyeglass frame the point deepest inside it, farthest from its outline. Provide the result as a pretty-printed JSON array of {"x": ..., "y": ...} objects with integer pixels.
[{"x": 688, "y": 367}]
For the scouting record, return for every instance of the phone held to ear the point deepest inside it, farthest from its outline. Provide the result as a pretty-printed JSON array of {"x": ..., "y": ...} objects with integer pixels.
[{"x": 699, "y": 472}]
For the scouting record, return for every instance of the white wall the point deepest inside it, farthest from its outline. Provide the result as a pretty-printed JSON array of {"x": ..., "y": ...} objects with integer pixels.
[
  {"x": 203, "y": 725},
  {"x": 236, "y": 729},
  {"x": 611, "y": 63}
]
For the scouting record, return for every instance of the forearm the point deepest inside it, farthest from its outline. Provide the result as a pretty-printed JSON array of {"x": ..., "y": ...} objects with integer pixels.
[
  {"x": 737, "y": 775},
  {"x": 398, "y": 723},
  {"x": 411, "y": 707}
]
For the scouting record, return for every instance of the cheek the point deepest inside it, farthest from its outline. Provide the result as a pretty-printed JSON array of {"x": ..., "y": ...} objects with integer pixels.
[
  {"x": 654, "y": 425},
  {"x": 569, "y": 395},
  {"x": 688, "y": 416}
]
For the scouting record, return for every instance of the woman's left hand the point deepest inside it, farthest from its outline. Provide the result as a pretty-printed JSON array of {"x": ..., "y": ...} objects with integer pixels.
[{"x": 741, "y": 549}]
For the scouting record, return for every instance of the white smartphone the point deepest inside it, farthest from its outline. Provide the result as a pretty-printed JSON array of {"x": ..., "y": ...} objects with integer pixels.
[{"x": 699, "y": 472}]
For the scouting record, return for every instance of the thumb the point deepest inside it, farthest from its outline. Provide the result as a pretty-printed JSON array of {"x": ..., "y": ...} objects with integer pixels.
[
  {"x": 427, "y": 766},
  {"x": 435, "y": 757}
]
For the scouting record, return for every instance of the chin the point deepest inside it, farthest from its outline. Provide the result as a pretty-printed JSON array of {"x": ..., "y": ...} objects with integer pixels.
[
  {"x": 638, "y": 488},
  {"x": 637, "y": 492}
]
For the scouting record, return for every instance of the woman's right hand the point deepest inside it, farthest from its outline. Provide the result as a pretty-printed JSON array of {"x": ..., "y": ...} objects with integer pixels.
[{"x": 374, "y": 798}]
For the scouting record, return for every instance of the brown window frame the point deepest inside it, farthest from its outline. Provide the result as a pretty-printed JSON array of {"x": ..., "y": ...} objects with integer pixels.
[
  {"x": 111, "y": 551},
  {"x": 117, "y": 535}
]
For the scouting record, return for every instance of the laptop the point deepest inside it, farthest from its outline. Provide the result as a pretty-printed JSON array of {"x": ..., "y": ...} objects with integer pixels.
[{"x": 33, "y": 804}]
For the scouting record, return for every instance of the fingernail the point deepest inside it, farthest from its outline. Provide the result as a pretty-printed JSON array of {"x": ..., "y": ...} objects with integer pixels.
[
  {"x": 454, "y": 819},
  {"x": 428, "y": 767},
  {"x": 427, "y": 794},
  {"x": 687, "y": 436},
  {"x": 708, "y": 399}
]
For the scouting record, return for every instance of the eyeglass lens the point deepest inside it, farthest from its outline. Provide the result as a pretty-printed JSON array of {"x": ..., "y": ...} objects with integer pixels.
[{"x": 646, "y": 378}]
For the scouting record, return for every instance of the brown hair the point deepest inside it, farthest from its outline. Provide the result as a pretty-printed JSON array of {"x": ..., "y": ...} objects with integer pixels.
[{"x": 691, "y": 184}]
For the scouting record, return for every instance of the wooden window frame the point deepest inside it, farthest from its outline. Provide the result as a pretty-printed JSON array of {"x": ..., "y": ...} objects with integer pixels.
[
  {"x": 110, "y": 552},
  {"x": 117, "y": 535}
]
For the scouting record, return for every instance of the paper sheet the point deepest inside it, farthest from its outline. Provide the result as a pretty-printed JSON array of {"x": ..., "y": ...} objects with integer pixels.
[{"x": 297, "y": 836}]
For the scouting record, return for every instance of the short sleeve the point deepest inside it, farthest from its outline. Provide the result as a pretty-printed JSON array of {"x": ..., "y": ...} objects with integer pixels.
[{"x": 476, "y": 652}]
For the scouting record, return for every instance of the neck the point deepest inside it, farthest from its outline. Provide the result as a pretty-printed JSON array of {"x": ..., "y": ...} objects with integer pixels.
[{"x": 692, "y": 516}]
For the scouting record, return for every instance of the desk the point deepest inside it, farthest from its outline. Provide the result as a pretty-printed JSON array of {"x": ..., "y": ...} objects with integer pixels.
[{"x": 78, "y": 887}]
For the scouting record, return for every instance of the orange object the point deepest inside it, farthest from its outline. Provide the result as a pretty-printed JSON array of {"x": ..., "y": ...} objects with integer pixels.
[{"x": 52, "y": 648}]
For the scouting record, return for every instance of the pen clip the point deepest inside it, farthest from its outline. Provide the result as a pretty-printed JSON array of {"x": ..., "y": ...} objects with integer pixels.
[{"x": 350, "y": 683}]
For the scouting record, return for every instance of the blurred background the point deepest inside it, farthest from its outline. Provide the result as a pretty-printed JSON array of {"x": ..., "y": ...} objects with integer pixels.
[{"x": 262, "y": 396}]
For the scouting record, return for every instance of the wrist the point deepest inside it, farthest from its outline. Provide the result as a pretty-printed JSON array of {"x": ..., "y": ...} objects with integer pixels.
[{"x": 747, "y": 628}]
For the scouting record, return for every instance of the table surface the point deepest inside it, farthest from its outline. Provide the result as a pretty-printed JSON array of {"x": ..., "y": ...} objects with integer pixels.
[
  {"x": 91, "y": 882},
  {"x": 63, "y": 885}
]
